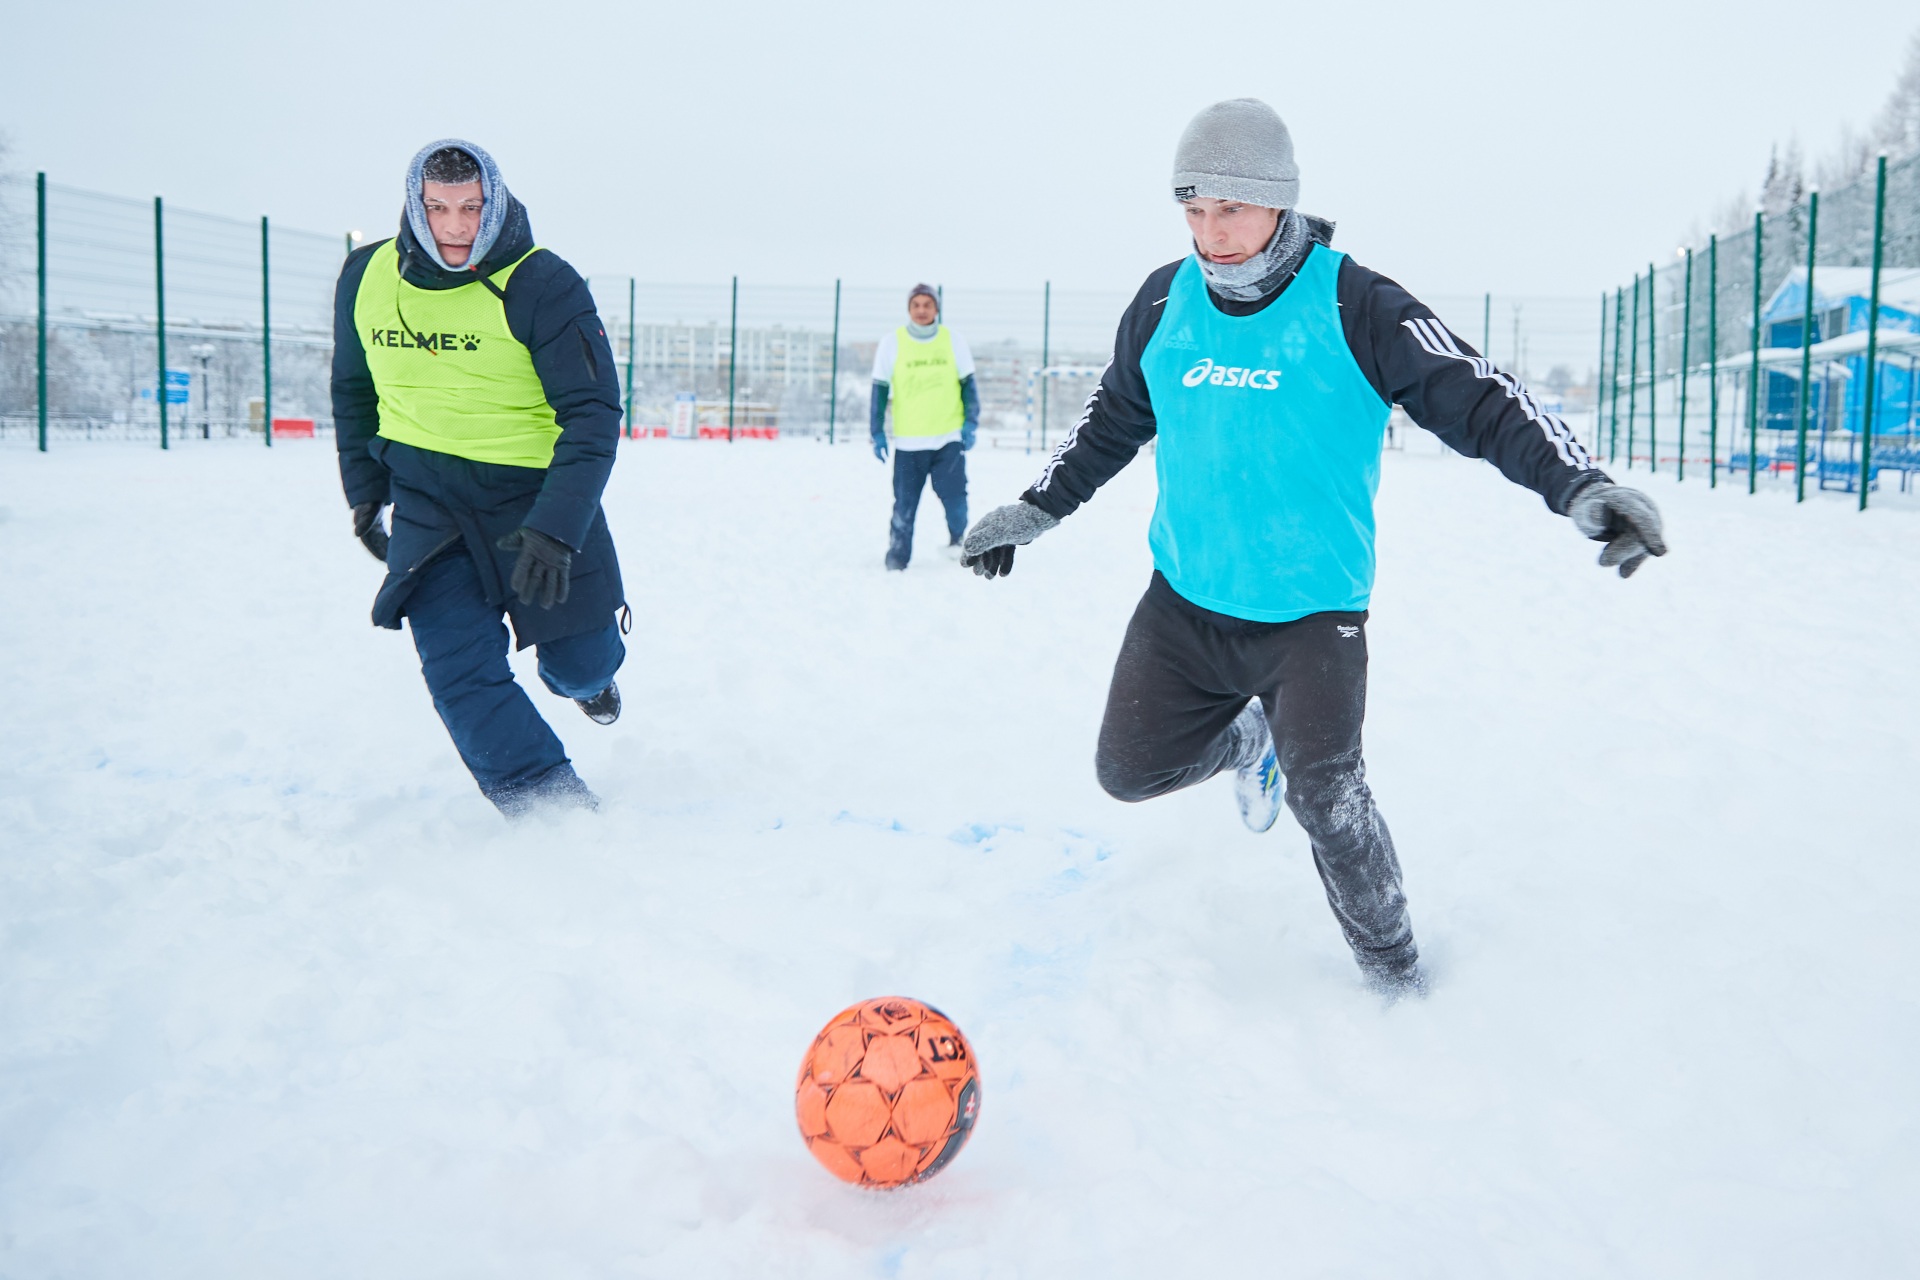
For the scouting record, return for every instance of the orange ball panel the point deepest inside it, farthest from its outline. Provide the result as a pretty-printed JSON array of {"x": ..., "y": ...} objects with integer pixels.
[
  {"x": 857, "y": 1114},
  {"x": 891, "y": 1061},
  {"x": 889, "y": 1162},
  {"x": 837, "y": 1052},
  {"x": 924, "y": 1112},
  {"x": 837, "y": 1159},
  {"x": 810, "y": 1105},
  {"x": 892, "y": 1013},
  {"x": 945, "y": 1050}
]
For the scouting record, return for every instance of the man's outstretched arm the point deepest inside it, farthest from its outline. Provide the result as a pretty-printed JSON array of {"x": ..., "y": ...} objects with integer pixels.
[
  {"x": 1116, "y": 420},
  {"x": 1413, "y": 360}
]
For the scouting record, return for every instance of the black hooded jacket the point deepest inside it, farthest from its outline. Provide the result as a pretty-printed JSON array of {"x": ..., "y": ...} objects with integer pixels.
[{"x": 440, "y": 499}]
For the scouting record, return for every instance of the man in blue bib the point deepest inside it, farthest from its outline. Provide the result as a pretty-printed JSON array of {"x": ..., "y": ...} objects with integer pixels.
[{"x": 1264, "y": 366}]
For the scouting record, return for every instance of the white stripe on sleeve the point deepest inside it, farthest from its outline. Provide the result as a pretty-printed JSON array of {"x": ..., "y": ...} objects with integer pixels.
[{"x": 1435, "y": 340}]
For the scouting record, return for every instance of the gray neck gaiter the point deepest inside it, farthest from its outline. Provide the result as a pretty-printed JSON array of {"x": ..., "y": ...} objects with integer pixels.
[
  {"x": 1265, "y": 271},
  {"x": 923, "y": 332}
]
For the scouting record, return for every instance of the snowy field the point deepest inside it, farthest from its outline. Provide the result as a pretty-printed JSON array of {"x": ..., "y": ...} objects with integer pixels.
[{"x": 280, "y": 995}]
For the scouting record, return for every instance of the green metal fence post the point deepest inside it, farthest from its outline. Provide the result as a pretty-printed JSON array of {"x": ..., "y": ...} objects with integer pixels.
[
  {"x": 733, "y": 342},
  {"x": 1713, "y": 362},
  {"x": 1653, "y": 384},
  {"x": 1686, "y": 351},
  {"x": 1600, "y": 370},
  {"x": 1753, "y": 370},
  {"x": 160, "y": 325},
  {"x": 833, "y": 377},
  {"x": 266, "y": 338},
  {"x": 1619, "y": 313},
  {"x": 1873, "y": 327},
  {"x": 1486, "y": 325},
  {"x": 40, "y": 281},
  {"x": 632, "y": 434},
  {"x": 1046, "y": 359},
  {"x": 1807, "y": 320},
  {"x": 1633, "y": 372}
]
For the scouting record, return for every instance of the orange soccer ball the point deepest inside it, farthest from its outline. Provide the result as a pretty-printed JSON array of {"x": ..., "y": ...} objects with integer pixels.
[{"x": 887, "y": 1093}]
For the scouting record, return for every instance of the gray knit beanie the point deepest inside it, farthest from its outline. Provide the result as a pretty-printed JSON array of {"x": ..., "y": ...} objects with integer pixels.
[{"x": 1237, "y": 150}]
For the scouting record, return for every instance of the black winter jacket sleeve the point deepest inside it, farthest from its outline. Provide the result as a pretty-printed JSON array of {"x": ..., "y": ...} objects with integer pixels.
[
  {"x": 1406, "y": 354},
  {"x": 550, "y": 311},
  {"x": 356, "y": 405}
]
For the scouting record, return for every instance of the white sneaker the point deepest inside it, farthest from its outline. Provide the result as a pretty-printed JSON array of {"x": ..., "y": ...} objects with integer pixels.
[
  {"x": 1257, "y": 786},
  {"x": 954, "y": 552}
]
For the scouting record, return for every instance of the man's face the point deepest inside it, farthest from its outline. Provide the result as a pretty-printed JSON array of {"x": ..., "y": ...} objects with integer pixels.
[
  {"x": 453, "y": 216},
  {"x": 1227, "y": 231},
  {"x": 921, "y": 309}
]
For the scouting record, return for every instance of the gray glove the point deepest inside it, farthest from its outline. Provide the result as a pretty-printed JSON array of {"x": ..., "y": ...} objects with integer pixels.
[
  {"x": 988, "y": 550},
  {"x": 1625, "y": 519}
]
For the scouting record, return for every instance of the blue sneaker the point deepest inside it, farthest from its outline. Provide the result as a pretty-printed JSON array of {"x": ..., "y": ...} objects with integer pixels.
[{"x": 1257, "y": 786}]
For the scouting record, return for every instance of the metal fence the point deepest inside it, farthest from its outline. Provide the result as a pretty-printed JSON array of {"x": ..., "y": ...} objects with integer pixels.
[
  {"x": 136, "y": 319},
  {"x": 99, "y": 294},
  {"x": 1713, "y": 369}
]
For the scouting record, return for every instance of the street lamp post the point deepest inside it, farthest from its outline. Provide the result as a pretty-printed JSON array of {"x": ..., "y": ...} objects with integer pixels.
[{"x": 203, "y": 351}]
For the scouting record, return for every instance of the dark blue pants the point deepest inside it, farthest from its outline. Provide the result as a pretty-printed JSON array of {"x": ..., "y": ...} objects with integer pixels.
[
  {"x": 947, "y": 466},
  {"x": 462, "y": 642}
]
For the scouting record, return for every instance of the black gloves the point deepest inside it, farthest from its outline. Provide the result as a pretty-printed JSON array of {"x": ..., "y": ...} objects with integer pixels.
[
  {"x": 367, "y": 528},
  {"x": 1625, "y": 519},
  {"x": 540, "y": 574},
  {"x": 988, "y": 550}
]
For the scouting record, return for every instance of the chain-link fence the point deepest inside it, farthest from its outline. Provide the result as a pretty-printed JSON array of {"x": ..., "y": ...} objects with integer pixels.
[
  {"x": 125, "y": 278},
  {"x": 1714, "y": 371}
]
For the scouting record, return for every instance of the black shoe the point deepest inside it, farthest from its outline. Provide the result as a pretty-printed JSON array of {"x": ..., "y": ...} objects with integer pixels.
[
  {"x": 604, "y": 706},
  {"x": 1408, "y": 982},
  {"x": 561, "y": 789}
]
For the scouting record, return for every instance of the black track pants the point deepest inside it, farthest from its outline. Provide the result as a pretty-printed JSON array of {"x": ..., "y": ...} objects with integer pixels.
[{"x": 1179, "y": 682}]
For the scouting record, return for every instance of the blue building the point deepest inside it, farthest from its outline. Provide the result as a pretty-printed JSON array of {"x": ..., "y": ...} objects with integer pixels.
[{"x": 1841, "y": 301}]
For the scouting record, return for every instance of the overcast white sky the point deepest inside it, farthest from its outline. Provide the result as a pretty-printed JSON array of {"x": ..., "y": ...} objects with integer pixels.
[{"x": 1518, "y": 147}]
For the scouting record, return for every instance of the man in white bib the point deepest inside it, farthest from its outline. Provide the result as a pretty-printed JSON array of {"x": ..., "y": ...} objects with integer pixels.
[{"x": 925, "y": 371}]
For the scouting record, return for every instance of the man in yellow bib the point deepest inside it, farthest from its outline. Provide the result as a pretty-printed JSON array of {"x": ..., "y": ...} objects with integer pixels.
[
  {"x": 474, "y": 391},
  {"x": 926, "y": 371}
]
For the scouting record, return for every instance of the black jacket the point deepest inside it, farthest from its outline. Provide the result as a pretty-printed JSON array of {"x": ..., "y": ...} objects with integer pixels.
[
  {"x": 440, "y": 499},
  {"x": 1406, "y": 354}
]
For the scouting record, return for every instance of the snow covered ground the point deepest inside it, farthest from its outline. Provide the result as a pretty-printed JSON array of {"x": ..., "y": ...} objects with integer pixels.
[{"x": 281, "y": 996}]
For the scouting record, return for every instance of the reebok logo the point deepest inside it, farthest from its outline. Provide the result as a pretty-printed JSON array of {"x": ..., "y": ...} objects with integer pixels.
[
  {"x": 1221, "y": 375},
  {"x": 1348, "y": 633},
  {"x": 434, "y": 342},
  {"x": 1183, "y": 193}
]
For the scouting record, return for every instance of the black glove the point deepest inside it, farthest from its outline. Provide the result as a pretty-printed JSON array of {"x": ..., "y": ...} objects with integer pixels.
[
  {"x": 367, "y": 528},
  {"x": 1625, "y": 519},
  {"x": 988, "y": 550},
  {"x": 541, "y": 573}
]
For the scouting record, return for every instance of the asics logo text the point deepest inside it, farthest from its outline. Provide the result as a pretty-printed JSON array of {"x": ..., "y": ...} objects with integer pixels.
[{"x": 1221, "y": 375}]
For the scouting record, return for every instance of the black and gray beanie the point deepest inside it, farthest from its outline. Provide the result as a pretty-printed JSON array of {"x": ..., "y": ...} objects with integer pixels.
[
  {"x": 926, "y": 289},
  {"x": 1237, "y": 150}
]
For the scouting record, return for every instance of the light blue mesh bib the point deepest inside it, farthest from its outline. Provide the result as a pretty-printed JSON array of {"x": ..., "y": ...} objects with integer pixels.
[{"x": 1268, "y": 452}]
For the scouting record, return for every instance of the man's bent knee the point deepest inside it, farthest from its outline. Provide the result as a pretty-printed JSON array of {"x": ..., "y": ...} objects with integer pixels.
[{"x": 1131, "y": 784}]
